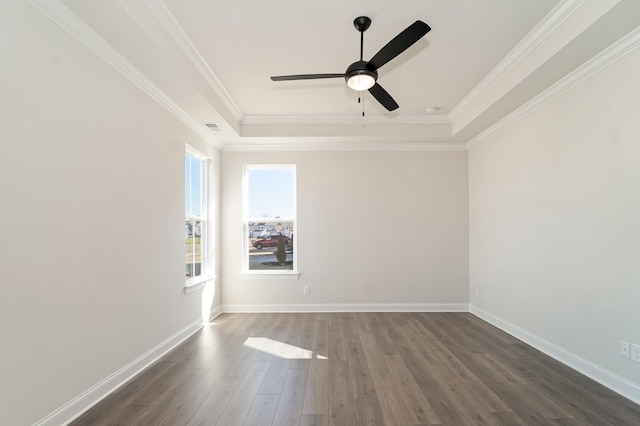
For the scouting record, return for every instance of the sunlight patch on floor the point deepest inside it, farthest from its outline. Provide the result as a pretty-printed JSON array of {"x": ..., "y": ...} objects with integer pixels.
[{"x": 280, "y": 349}]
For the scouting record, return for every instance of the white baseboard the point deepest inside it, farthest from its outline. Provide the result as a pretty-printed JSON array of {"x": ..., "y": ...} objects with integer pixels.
[
  {"x": 346, "y": 307},
  {"x": 215, "y": 312},
  {"x": 77, "y": 406},
  {"x": 601, "y": 375}
]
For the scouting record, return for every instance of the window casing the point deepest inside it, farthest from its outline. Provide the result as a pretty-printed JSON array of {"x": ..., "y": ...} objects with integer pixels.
[
  {"x": 269, "y": 219},
  {"x": 196, "y": 223}
]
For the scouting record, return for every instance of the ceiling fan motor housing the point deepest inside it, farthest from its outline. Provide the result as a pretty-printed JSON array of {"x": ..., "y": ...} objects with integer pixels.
[{"x": 360, "y": 68}]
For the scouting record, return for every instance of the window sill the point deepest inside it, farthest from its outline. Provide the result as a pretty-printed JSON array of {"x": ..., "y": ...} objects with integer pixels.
[
  {"x": 196, "y": 284},
  {"x": 262, "y": 275}
]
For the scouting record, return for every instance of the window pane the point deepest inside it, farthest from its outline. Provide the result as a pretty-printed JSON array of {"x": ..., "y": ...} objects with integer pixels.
[
  {"x": 193, "y": 185},
  {"x": 271, "y": 245},
  {"x": 193, "y": 254},
  {"x": 270, "y": 220},
  {"x": 271, "y": 192}
]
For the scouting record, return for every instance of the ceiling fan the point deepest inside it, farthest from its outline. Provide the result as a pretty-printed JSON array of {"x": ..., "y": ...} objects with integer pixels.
[{"x": 362, "y": 75}]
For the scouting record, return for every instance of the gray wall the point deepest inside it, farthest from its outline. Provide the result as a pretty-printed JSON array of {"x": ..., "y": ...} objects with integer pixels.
[
  {"x": 91, "y": 224},
  {"x": 555, "y": 229},
  {"x": 374, "y": 228}
]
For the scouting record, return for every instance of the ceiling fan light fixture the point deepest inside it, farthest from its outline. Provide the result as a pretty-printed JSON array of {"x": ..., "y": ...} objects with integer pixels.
[
  {"x": 361, "y": 82},
  {"x": 362, "y": 75}
]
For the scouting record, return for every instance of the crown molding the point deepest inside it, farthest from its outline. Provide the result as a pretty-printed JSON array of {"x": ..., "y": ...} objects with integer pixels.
[
  {"x": 526, "y": 56},
  {"x": 348, "y": 146},
  {"x": 171, "y": 25},
  {"x": 347, "y": 119},
  {"x": 82, "y": 32},
  {"x": 524, "y": 48},
  {"x": 612, "y": 54}
]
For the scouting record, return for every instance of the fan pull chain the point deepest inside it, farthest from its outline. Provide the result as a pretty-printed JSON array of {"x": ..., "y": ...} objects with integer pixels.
[{"x": 361, "y": 102}]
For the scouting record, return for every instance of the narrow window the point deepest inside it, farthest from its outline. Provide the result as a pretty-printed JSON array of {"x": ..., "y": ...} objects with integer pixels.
[
  {"x": 195, "y": 223},
  {"x": 270, "y": 218}
]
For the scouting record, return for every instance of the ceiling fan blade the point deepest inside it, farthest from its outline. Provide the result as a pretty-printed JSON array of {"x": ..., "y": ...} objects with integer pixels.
[
  {"x": 305, "y": 77},
  {"x": 383, "y": 97},
  {"x": 400, "y": 43}
]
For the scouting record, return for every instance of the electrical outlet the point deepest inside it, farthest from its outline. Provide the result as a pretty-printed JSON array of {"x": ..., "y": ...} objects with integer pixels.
[
  {"x": 477, "y": 291},
  {"x": 306, "y": 289},
  {"x": 624, "y": 349},
  {"x": 635, "y": 352}
]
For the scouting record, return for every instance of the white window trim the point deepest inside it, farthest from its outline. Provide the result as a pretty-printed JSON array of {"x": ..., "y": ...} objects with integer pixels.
[
  {"x": 196, "y": 283},
  {"x": 270, "y": 275},
  {"x": 246, "y": 273}
]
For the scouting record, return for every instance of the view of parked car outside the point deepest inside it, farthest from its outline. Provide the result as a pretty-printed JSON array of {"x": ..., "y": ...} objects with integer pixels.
[{"x": 263, "y": 244}]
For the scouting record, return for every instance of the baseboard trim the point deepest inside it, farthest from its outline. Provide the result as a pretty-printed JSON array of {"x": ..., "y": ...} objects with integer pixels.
[
  {"x": 601, "y": 375},
  {"x": 215, "y": 313},
  {"x": 346, "y": 307},
  {"x": 83, "y": 402}
]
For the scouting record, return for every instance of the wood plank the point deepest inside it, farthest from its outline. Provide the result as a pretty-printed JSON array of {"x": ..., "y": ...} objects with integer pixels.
[
  {"x": 626, "y": 411},
  {"x": 289, "y": 408},
  {"x": 367, "y": 412},
  {"x": 316, "y": 420},
  {"x": 305, "y": 339},
  {"x": 316, "y": 397},
  {"x": 465, "y": 402},
  {"x": 158, "y": 386},
  {"x": 293, "y": 330},
  {"x": 262, "y": 410},
  {"x": 321, "y": 337},
  {"x": 279, "y": 329},
  {"x": 240, "y": 403},
  {"x": 182, "y": 412},
  {"x": 544, "y": 405},
  {"x": 442, "y": 402},
  {"x": 105, "y": 409},
  {"x": 336, "y": 343},
  {"x": 391, "y": 405},
  {"x": 489, "y": 401},
  {"x": 136, "y": 387},
  {"x": 341, "y": 411},
  {"x": 373, "y": 354},
  {"x": 507, "y": 419},
  {"x": 276, "y": 375},
  {"x": 349, "y": 329},
  {"x": 548, "y": 367},
  {"x": 379, "y": 331},
  {"x": 120, "y": 416},
  {"x": 359, "y": 374},
  {"x": 243, "y": 362},
  {"x": 519, "y": 404},
  {"x": 215, "y": 402},
  {"x": 307, "y": 329},
  {"x": 416, "y": 353},
  {"x": 574, "y": 400},
  {"x": 416, "y": 405},
  {"x": 156, "y": 413}
]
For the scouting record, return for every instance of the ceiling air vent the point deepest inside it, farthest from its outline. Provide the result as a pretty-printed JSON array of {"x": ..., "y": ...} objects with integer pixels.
[{"x": 213, "y": 127}]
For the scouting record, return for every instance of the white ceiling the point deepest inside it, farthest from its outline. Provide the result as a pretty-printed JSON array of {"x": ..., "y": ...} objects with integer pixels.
[{"x": 210, "y": 62}]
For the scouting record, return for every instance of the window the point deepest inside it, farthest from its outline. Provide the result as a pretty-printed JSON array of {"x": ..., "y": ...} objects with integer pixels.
[
  {"x": 195, "y": 224},
  {"x": 270, "y": 218}
]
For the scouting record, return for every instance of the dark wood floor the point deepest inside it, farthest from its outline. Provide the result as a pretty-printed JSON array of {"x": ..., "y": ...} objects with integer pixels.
[{"x": 359, "y": 369}]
